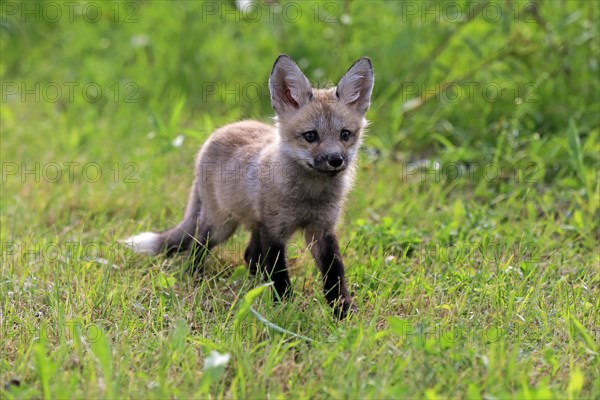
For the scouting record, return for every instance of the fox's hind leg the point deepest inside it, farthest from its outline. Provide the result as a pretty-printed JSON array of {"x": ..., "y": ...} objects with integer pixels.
[
  {"x": 208, "y": 236},
  {"x": 199, "y": 248}
]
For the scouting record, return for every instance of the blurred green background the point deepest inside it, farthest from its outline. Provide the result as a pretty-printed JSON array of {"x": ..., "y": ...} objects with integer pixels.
[{"x": 506, "y": 71}]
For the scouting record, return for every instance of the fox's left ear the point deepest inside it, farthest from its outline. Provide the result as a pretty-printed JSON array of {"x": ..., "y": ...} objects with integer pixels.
[{"x": 356, "y": 86}]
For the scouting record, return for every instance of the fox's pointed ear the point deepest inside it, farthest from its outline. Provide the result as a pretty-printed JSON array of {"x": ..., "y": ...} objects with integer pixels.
[
  {"x": 356, "y": 86},
  {"x": 289, "y": 88}
]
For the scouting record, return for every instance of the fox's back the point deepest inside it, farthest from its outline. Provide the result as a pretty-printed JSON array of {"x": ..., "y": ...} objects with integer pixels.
[{"x": 244, "y": 138}]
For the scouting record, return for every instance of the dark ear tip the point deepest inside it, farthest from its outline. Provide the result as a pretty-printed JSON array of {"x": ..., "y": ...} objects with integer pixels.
[
  {"x": 281, "y": 58},
  {"x": 282, "y": 55}
]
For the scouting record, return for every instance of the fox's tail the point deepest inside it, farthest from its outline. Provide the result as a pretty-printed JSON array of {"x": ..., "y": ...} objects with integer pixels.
[{"x": 173, "y": 240}]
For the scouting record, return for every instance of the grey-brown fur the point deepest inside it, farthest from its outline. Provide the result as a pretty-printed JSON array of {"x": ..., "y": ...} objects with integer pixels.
[{"x": 273, "y": 181}]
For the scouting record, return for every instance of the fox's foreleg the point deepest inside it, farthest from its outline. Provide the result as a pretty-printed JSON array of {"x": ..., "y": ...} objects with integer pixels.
[{"x": 325, "y": 249}]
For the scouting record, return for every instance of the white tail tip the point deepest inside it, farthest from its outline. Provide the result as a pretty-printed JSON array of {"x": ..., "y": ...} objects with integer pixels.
[{"x": 145, "y": 243}]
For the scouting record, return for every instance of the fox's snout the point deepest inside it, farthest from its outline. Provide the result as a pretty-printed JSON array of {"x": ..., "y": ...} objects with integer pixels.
[{"x": 333, "y": 162}]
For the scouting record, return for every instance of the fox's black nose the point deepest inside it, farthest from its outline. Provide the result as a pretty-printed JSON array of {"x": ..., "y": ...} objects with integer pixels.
[{"x": 335, "y": 161}]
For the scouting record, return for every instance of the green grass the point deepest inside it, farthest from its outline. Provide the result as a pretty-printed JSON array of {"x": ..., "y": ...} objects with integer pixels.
[{"x": 480, "y": 280}]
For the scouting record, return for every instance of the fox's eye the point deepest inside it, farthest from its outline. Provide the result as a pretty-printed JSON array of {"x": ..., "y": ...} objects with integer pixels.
[
  {"x": 311, "y": 136},
  {"x": 345, "y": 135}
]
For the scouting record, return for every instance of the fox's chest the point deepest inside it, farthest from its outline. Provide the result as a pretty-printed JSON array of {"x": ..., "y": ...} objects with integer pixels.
[
  {"x": 309, "y": 211},
  {"x": 300, "y": 210},
  {"x": 301, "y": 203}
]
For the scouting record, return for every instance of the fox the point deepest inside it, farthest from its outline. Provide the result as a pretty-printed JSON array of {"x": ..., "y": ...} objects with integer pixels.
[{"x": 277, "y": 179}]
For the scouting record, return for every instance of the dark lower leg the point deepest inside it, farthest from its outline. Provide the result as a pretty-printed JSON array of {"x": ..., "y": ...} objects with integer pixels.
[
  {"x": 252, "y": 254},
  {"x": 276, "y": 270},
  {"x": 330, "y": 263},
  {"x": 272, "y": 260}
]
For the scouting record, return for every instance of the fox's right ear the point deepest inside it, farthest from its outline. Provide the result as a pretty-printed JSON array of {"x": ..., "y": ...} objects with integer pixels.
[
  {"x": 356, "y": 85},
  {"x": 289, "y": 88}
]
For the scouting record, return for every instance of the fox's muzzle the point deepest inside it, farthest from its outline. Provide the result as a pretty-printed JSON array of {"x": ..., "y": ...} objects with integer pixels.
[{"x": 331, "y": 164}]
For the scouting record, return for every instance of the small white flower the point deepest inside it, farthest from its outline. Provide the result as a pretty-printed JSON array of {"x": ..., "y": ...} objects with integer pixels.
[
  {"x": 178, "y": 141},
  {"x": 319, "y": 73},
  {"x": 244, "y": 5},
  {"x": 411, "y": 104},
  {"x": 510, "y": 269},
  {"x": 141, "y": 40},
  {"x": 216, "y": 360}
]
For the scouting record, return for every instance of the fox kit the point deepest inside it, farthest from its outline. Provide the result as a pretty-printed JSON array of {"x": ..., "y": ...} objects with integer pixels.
[{"x": 275, "y": 180}]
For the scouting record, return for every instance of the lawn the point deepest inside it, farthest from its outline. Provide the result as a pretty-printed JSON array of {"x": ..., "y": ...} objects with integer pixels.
[{"x": 470, "y": 238}]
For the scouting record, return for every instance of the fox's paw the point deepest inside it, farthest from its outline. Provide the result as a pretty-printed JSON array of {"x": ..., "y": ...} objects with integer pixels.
[{"x": 344, "y": 308}]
